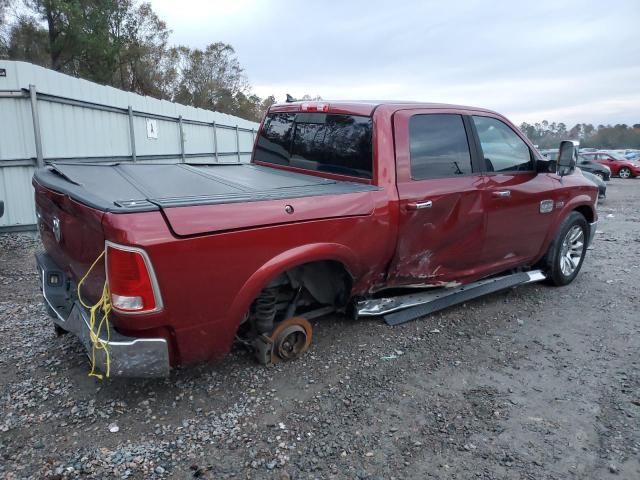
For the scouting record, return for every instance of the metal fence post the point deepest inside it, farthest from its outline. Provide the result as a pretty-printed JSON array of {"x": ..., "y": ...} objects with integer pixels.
[
  {"x": 132, "y": 135},
  {"x": 181, "y": 139},
  {"x": 238, "y": 143},
  {"x": 215, "y": 141},
  {"x": 36, "y": 125}
]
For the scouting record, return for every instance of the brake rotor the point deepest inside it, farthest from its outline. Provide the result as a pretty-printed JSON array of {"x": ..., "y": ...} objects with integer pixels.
[{"x": 291, "y": 338}]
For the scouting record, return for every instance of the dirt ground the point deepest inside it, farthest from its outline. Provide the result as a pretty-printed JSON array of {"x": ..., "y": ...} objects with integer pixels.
[{"x": 531, "y": 383}]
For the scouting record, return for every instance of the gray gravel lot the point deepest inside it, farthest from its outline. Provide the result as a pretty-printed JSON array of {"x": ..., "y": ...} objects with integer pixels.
[{"x": 532, "y": 383}]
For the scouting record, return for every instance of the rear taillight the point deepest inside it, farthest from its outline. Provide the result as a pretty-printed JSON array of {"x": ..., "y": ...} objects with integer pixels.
[{"x": 131, "y": 280}]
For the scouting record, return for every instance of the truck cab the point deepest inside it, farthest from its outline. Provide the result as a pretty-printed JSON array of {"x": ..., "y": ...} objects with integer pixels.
[{"x": 470, "y": 193}]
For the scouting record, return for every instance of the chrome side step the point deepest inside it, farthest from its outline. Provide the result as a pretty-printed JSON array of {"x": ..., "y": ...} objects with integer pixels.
[{"x": 403, "y": 308}]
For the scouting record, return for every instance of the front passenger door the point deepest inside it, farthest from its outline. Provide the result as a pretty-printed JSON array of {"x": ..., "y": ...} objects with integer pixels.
[{"x": 519, "y": 201}]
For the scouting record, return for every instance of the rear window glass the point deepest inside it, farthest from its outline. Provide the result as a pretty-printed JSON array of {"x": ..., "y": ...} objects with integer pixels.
[{"x": 318, "y": 141}]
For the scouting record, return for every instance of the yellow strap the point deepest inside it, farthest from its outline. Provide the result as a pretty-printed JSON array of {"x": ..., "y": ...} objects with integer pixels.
[{"x": 103, "y": 305}]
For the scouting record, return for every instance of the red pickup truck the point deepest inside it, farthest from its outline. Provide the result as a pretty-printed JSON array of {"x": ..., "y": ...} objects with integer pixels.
[{"x": 394, "y": 209}]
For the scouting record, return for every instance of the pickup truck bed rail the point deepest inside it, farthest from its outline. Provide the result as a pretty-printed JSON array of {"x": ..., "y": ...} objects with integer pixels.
[{"x": 143, "y": 187}]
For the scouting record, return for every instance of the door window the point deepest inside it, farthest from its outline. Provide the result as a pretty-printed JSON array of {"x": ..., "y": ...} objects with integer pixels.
[
  {"x": 503, "y": 149},
  {"x": 438, "y": 146}
]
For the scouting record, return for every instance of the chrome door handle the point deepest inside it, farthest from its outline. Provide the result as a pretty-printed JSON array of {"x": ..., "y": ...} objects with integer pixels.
[
  {"x": 419, "y": 205},
  {"x": 502, "y": 193}
]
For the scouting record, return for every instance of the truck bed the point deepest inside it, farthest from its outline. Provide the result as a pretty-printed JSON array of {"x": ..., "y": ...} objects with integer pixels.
[{"x": 140, "y": 187}]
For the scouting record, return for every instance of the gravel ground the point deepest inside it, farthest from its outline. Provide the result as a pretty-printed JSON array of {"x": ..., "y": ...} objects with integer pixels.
[{"x": 532, "y": 383}]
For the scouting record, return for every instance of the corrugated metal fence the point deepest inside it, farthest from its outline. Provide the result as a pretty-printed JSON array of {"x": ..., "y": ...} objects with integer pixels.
[{"x": 47, "y": 116}]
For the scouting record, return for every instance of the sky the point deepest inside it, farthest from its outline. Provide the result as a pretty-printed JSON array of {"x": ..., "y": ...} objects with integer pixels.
[{"x": 564, "y": 61}]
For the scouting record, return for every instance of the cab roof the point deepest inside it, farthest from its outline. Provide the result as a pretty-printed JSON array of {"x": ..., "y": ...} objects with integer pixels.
[{"x": 366, "y": 107}]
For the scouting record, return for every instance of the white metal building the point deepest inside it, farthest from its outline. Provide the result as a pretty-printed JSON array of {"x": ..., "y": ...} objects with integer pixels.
[{"x": 47, "y": 116}]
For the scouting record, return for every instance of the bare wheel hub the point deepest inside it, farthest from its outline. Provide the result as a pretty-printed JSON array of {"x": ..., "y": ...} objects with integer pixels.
[{"x": 291, "y": 338}]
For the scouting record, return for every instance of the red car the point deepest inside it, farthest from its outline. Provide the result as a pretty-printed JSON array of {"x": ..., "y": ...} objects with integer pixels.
[
  {"x": 342, "y": 203},
  {"x": 618, "y": 164}
]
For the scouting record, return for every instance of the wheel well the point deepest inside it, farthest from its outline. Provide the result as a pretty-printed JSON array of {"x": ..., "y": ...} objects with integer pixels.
[
  {"x": 586, "y": 212},
  {"x": 328, "y": 281},
  {"x": 297, "y": 290}
]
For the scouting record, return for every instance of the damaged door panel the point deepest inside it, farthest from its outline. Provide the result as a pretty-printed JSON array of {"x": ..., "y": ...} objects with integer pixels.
[
  {"x": 439, "y": 245},
  {"x": 441, "y": 219}
]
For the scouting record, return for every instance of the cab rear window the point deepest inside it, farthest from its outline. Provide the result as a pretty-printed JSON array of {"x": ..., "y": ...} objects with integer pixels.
[{"x": 323, "y": 142}]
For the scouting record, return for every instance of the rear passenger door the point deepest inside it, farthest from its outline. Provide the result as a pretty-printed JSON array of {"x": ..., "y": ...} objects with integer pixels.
[
  {"x": 519, "y": 202},
  {"x": 441, "y": 218}
]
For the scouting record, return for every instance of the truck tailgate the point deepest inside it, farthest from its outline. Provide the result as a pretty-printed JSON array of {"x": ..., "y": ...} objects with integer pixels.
[{"x": 72, "y": 235}]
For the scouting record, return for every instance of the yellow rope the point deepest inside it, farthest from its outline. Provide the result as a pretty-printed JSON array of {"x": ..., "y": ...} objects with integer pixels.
[{"x": 103, "y": 305}]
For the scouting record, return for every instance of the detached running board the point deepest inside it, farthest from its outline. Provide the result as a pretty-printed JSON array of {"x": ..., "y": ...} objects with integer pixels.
[{"x": 404, "y": 308}]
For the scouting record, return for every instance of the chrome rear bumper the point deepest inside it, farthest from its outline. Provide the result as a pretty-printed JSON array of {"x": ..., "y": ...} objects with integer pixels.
[{"x": 129, "y": 356}]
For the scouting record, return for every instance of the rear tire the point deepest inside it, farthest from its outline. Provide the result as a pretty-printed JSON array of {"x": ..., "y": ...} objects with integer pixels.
[
  {"x": 624, "y": 172},
  {"x": 567, "y": 251}
]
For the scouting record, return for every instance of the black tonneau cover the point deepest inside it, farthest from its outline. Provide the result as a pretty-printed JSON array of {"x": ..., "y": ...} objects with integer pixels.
[{"x": 138, "y": 187}]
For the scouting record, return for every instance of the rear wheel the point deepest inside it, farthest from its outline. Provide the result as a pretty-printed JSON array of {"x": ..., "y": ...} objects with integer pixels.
[
  {"x": 566, "y": 253},
  {"x": 624, "y": 172}
]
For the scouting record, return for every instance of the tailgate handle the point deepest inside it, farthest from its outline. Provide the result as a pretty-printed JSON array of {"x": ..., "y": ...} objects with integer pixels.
[
  {"x": 502, "y": 193},
  {"x": 419, "y": 205}
]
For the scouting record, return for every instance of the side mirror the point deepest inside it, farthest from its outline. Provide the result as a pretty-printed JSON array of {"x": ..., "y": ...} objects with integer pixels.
[{"x": 566, "y": 158}]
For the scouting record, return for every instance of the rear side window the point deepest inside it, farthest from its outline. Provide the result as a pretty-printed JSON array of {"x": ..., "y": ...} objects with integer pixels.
[
  {"x": 503, "y": 150},
  {"x": 318, "y": 141},
  {"x": 438, "y": 146}
]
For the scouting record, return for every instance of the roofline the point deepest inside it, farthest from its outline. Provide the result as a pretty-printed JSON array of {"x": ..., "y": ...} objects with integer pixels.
[{"x": 367, "y": 107}]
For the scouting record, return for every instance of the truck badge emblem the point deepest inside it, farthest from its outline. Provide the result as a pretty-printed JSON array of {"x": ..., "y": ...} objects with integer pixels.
[
  {"x": 546, "y": 206},
  {"x": 56, "y": 229}
]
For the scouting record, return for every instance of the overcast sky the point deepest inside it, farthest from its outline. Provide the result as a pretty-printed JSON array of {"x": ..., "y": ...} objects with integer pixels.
[{"x": 534, "y": 60}]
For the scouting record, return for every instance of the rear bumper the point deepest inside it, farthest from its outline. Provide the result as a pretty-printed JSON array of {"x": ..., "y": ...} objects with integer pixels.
[{"x": 129, "y": 356}]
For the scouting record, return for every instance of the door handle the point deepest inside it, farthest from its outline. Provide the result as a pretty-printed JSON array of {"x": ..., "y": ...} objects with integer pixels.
[
  {"x": 502, "y": 193},
  {"x": 419, "y": 205}
]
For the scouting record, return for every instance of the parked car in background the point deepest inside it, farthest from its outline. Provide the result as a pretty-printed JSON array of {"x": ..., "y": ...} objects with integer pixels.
[
  {"x": 602, "y": 186},
  {"x": 588, "y": 165},
  {"x": 585, "y": 164},
  {"x": 619, "y": 165}
]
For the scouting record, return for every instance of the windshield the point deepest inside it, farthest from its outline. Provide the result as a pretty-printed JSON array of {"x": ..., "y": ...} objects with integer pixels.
[
  {"x": 318, "y": 141},
  {"x": 617, "y": 156}
]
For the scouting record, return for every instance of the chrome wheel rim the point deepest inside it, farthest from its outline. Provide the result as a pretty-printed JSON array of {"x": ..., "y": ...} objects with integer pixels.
[
  {"x": 624, "y": 173},
  {"x": 572, "y": 250}
]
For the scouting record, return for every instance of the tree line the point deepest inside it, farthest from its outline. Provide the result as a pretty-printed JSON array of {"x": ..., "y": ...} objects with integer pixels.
[
  {"x": 549, "y": 135},
  {"x": 124, "y": 44}
]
